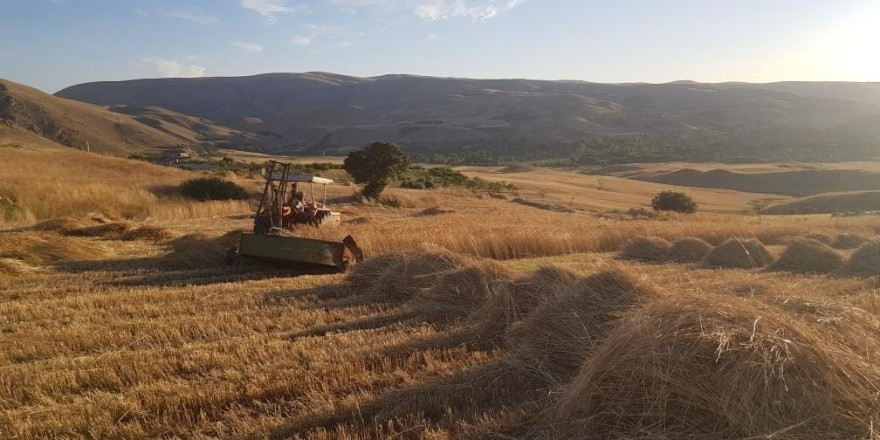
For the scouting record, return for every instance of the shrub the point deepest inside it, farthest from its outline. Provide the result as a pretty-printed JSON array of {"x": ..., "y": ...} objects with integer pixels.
[
  {"x": 674, "y": 201},
  {"x": 212, "y": 188}
]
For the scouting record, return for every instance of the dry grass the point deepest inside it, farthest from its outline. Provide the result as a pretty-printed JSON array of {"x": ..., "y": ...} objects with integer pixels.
[
  {"x": 646, "y": 249},
  {"x": 408, "y": 344},
  {"x": 821, "y": 238},
  {"x": 689, "y": 250},
  {"x": 707, "y": 366},
  {"x": 808, "y": 256},
  {"x": 739, "y": 253}
]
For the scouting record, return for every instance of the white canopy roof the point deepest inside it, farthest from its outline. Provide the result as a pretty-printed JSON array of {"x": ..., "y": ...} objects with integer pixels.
[{"x": 302, "y": 178}]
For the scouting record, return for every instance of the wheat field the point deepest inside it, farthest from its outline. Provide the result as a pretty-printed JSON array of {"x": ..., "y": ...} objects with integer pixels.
[{"x": 473, "y": 317}]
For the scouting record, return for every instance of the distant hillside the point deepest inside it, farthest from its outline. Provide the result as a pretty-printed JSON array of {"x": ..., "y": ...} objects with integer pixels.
[
  {"x": 793, "y": 183},
  {"x": 829, "y": 204},
  {"x": 188, "y": 129},
  {"x": 30, "y": 116},
  {"x": 591, "y": 122}
]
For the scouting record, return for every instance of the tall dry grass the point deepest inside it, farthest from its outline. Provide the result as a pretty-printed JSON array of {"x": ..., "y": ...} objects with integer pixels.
[{"x": 39, "y": 184}]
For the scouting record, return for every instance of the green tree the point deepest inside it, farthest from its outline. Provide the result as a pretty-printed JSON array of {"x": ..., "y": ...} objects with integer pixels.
[
  {"x": 674, "y": 201},
  {"x": 376, "y": 165}
]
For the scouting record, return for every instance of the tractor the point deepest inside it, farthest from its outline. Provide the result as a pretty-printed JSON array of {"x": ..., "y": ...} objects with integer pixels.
[{"x": 283, "y": 208}]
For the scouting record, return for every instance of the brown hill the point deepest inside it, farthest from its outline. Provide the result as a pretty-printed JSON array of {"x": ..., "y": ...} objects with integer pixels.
[
  {"x": 829, "y": 203},
  {"x": 794, "y": 183},
  {"x": 319, "y": 111},
  {"x": 30, "y": 116}
]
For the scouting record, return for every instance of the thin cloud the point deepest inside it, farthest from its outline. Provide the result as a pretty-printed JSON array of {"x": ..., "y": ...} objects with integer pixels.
[
  {"x": 433, "y": 10},
  {"x": 270, "y": 9},
  {"x": 195, "y": 17},
  {"x": 172, "y": 69},
  {"x": 301, "y": 40},
  {"x": 248, "y": 47}
]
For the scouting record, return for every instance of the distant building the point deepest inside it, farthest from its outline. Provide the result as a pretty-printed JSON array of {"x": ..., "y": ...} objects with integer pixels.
[{"x": 176, "y": 154}]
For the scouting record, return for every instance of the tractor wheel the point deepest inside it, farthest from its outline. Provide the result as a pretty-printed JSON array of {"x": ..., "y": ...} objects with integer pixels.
[{"x": 261, "y": 225}]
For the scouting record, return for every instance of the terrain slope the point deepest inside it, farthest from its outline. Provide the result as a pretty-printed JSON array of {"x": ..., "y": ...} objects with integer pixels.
[{"x": 30, "y": 116}]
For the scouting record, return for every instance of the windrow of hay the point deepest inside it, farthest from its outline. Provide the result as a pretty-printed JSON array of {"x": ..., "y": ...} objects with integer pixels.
[
  {"x": 39, "y": 248},
  {"x": 14, "y": 267},
  {"x": 717, "y": 366},
  {"x": 199, "y": 251},
  {"x": 808, "y": 256},
  {"x": 848, "y": 241},
  {"x": 643, "y": 248},
  {"x": 738, "y": 253},
  {"x": 570, "y": 321},
  {"x": 863, "y": 262},
  {"x": 398, "y": 276},
  {"x": 689, "y": 250},
  {"x": 148, "y": 233},
  {"x": 110, "y": 231},
  {"x": 63, "y": 225}
]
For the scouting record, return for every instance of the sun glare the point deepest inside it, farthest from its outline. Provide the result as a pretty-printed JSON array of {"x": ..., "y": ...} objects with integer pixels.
[{"x": 854, "y": 45}]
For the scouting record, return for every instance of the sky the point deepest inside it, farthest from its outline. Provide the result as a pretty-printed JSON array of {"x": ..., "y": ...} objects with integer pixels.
[{"x": 52, "y": 44}]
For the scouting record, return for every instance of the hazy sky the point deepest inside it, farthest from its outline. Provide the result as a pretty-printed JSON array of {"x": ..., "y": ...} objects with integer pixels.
[{"x": 51, "y": 44}]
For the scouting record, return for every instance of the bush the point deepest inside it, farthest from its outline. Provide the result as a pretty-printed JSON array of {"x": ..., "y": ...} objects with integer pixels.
[
  {"x": 212, "y": 188},
  {"x": 674, "y": 201}
]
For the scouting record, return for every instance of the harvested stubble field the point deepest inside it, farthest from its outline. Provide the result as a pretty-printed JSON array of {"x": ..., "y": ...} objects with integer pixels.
[{"x": 493, "y": 320}]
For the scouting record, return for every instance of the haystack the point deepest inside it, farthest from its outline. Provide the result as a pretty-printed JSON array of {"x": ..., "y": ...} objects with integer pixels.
[
  {"x": 863, "y": 262},
  {"x": 398, "y": 276},
  {"x": 645, "y": 249},
  {"x": 509, "y": 304},
  {"x": 808, "y": 256},
  {"x": 569, "y": 323},
  {"x": 461, "y": 292},
  {"x": 689, "y": 250},
  {"x": 821, "y": 238},
  {"x": 715, "y": 366},
  {"x": 849, "y": 241},
  {"x": 738, "y": 253}
]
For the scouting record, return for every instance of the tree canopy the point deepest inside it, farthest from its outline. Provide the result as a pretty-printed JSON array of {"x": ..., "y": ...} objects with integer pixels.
[{"x": 376, "y": 165}]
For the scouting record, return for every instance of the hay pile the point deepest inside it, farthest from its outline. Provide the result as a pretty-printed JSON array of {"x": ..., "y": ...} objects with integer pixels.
[
  {"x": 398, "y": 276},
  {"x": 849, "y": 241},
  {"x": 510, "y": 302},
  {"x": 863, "y": 262},
  {"x": 808, "y": 256},
  {"x": 821, "y": 238},
  {"x": 199, "y": 251},
  {"x": 645, "y": 249},
  {"x": 689, "y": 250},
  {"x": 738, "y": 253},
  {"x": 716, "y": 366},
  {"x": 432, "y": 211},
  {"x": 570, "y": 322},
  {"x": 479, "y": 289},
  {"x": 111, "y": 231}
]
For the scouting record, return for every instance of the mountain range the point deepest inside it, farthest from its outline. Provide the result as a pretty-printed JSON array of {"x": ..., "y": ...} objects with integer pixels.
[{"x": 322, "y": 112}]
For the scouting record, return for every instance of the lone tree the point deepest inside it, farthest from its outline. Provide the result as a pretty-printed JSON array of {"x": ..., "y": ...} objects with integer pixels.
[
  {"x": 674, "y": 201},
  {"x": 376, "y": 165}
]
